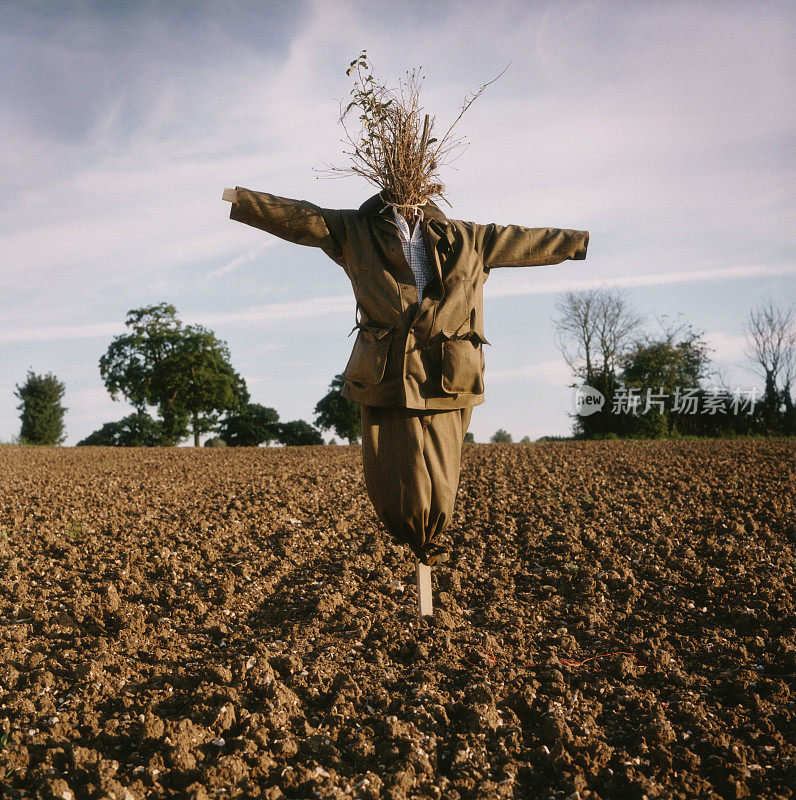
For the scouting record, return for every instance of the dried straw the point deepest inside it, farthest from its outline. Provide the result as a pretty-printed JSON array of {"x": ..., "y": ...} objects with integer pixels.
[{"x": 394, "y": 147}]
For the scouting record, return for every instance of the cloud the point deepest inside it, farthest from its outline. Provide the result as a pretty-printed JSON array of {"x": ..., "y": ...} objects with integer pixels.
[
  {"x": 342, "y": 304},
  {"x": 552, "y": 285},
  {"x": 729, "y": 360},
  {"x": 44, "y": 333},
  {"x": 244, "y": 258},
  {"x": 665, "y": 132},
  {"x": 271, "y": 312},
  {"x": 553, "y": 371},
  {"x": 301, "y": 309},
  {"x": 87, "y": 408}
]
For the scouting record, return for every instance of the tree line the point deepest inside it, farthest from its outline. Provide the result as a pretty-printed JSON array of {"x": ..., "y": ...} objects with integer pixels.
[
  {"x": 662, "y": 384},
  {"x": 180, "y": 380}
]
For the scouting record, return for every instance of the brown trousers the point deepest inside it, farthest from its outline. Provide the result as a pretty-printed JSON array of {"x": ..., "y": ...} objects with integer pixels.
[{"x": 411, "y": 461}]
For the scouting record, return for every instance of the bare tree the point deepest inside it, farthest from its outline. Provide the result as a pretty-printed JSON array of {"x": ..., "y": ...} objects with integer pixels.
[
  {"x": 770, "y": 346},
  {"x": 575, "y": 331},
  {"x": 616, "y": 325},
  {"x": 593, "y": 330},
  {"x": 789, "y": 373}
]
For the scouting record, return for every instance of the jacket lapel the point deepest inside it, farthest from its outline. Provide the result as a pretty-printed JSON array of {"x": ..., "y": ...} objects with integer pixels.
[
  {"x": 437, "y": 240},
  {"x": 386, "y": 233}
]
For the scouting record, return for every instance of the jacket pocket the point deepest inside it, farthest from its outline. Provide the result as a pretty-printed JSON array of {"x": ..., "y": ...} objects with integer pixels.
[
  {"x": 369, "y": 356},
  {"x": 463, "y": 364}
]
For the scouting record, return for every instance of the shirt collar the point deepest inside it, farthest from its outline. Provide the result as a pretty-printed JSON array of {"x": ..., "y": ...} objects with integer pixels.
[
  {"x": 376, "y": 205},
  {"x": 403, "y": 225}
]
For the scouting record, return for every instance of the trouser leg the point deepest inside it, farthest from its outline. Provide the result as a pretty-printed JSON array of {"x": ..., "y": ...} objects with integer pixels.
[
  {"x": 442, "y": 451},
  {"x": 411, "y": 461}
]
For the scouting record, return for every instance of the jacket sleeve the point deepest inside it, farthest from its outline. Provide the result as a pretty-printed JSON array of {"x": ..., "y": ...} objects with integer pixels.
[
  {"x": 515, "y": 246},
  {"x": 295, "y": 221}
]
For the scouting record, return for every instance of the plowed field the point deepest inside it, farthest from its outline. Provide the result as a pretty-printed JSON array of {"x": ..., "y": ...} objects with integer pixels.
[{"x": 615, "y": 620}]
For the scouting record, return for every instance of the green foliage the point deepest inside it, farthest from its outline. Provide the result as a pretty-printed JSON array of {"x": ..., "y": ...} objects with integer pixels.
[
  {"x": 183, "y": 370},
  {"x": 42, "y": 413},
  {"x": 215, "y": 441},
  {"x": 469, "y": 438},
  {"x": 299, "y": 432},
  {"x": 500, "y": 436},
  {"x": 251, "y": 426},
  {"x": 680, "y": 358},
  {"x": 525, "y": 440},
  {"x": 667, "y": 363},
  {"x": 135, "y": 430},
  {"x": 367, "y": 96},
  {"x": 75, "y": 531},
  {"x": 665, "y": 373},
  {"x": 339, "y": 413}
]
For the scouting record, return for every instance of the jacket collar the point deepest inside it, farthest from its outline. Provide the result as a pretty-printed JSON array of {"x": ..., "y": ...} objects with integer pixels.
[
  {"x": 377, "y": 206},
  {"x": 437, "y": 238}
]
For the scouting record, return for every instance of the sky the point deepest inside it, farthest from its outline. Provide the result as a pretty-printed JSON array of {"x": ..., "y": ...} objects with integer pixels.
[{"x": 664, "y": 129}]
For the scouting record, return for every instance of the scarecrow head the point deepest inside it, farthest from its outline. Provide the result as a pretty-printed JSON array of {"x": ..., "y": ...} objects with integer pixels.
[{"x": 394, "y": 147}]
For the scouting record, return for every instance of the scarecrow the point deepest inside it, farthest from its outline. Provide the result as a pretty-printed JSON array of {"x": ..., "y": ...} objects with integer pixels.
[{"x": 417, "y": 364}]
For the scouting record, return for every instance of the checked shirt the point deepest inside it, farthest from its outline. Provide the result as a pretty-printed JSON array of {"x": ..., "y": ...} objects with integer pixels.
[{"x": 415, "y": 251}]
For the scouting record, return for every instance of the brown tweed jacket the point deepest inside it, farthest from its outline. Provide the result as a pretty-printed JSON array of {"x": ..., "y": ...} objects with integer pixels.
[{"x": 425, "y": 355}]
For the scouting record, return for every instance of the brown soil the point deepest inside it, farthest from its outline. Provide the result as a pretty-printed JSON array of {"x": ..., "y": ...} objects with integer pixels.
[{"x": 616, "y": 620}]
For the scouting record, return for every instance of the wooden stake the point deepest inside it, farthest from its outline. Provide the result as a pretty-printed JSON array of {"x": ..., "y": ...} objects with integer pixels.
[{"x": 425, "y": 607}]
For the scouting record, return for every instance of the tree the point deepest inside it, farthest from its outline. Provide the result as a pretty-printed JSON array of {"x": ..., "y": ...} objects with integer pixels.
[
  {"x": 593, "y": 331},
  {"x": 298, "y": 432},
  {"x": 135, "y": 430},
  {"x": 500, "y": 436},
  {"x": 209, "y": 383},
  {"x": 659, "y": 366},
  {"x": 771, "y": 347},
  {"x": 250, "y": 427},
  {"x": 469, "y": 437},
  {"x": 680, "y": 357},
  {"x": 183, "y": 370},
  {"x": 42, "y": 413},
  {"x": 339, "y": 413}
]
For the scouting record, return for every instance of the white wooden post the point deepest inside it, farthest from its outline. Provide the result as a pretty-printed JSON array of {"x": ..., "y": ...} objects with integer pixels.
[{"x": 425, "y": 607}]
